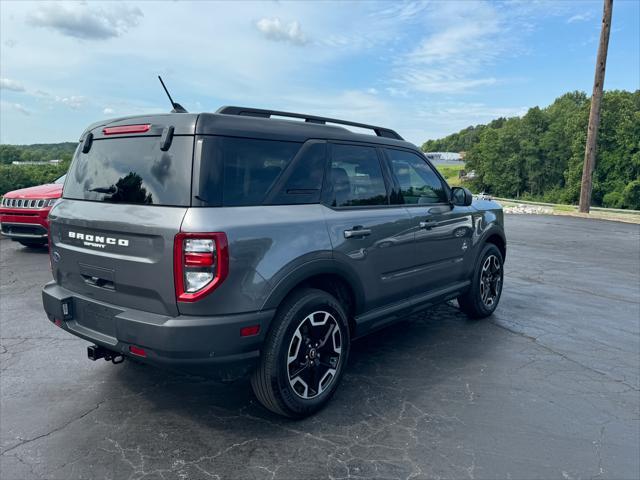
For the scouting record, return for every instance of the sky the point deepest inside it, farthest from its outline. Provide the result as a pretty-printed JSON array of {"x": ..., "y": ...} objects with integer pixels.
[{"x": 425, "y": 69}]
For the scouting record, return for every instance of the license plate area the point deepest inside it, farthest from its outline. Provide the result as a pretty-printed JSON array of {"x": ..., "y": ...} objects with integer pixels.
[{"x": 96, "y": 317}]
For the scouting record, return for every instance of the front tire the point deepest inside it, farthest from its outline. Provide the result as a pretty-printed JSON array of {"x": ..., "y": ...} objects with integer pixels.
[
  {"x": 483, "y": 296},
  {"x": 304, "y": 354}
]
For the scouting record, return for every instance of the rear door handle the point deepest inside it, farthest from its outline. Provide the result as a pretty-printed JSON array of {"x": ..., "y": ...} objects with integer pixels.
[
  {"x": 357, "y": 232},
  {"x": 428, "y": 224}
]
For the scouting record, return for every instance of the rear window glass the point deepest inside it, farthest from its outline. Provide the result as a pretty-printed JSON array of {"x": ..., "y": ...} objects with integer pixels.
[
  {"x": 133, "y": 170},
  {"x": 241, "y": 171}
]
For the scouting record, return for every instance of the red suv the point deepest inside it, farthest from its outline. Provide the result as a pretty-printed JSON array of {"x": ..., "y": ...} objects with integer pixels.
[{"x": 24, "y": 213}]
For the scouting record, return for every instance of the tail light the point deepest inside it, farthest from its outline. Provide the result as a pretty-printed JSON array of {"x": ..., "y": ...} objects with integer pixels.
[
  {"x": 201, "y": 263},
  {"x": 126, "y": 129}
]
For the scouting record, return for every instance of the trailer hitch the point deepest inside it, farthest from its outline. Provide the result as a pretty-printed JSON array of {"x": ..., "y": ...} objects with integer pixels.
[{"x": 95, "y": 352}]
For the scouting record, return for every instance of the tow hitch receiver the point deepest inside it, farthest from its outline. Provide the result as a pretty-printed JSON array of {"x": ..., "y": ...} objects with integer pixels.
[{"x": 95, "y": 352}]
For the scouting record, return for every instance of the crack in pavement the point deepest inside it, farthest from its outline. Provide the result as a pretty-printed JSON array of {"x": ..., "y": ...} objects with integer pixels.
[
  {"x": 51, "y": 432},
  {"x": 562, "y": 355}
]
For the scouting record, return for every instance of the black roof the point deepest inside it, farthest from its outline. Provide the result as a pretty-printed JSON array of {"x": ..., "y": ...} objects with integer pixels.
[
  {"x": 262, "y": 113},
  {"x": 262, "y": 127},
  {"x": 280, "y": 129}
]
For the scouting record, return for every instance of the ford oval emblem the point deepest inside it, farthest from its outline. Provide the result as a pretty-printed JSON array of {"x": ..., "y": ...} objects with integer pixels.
[{"x": 55, "y": 256}]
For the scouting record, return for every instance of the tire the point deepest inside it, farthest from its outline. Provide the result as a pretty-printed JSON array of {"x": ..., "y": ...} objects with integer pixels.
[
  {"x": 32, "y": 243},
  {"x": 282, "y": 382},
  {"x": 483, "y": 296}
]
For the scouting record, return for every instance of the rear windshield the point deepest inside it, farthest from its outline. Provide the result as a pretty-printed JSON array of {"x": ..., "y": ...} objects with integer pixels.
[
  {"x": 133, "y": 170},
  {"x": 241, "y": 171}
]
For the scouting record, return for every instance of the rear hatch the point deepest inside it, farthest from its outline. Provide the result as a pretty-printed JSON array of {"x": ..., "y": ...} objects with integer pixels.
[{"x": 124, "y": 199}]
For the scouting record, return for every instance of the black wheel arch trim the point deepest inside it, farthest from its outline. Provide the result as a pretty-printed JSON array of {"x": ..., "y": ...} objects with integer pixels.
[
  {"x": 494, "y": 230},
  {"x": 293, "y": 277}
]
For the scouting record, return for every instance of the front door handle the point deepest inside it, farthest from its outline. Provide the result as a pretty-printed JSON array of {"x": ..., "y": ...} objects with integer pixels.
[
  {"x": 428, "y": 224},
  {"x": 357, "y": 232}
]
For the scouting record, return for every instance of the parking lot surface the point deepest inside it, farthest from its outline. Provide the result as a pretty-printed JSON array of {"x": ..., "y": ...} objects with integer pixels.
[{"x": 546, "y": 388}]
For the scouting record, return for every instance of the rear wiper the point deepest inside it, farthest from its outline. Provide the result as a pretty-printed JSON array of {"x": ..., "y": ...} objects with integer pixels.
[{"x": 111, "y": 189}]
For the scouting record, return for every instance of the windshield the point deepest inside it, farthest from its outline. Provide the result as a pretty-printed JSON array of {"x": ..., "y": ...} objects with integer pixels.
[
  {"x": 133, "y": 170},
  {"x": 60, "y": 180}
]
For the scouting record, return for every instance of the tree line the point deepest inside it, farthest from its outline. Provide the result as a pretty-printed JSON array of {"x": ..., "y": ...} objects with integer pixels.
[
  {"x": 539, "y": 156},
  {"x": 39, "y": 152},
  {"x": 14, "y": 177}
]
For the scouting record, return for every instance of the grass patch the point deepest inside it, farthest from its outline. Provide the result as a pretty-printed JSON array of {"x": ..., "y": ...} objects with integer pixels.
[
  {"x": 451, "y": 173},
  {"x": 564, "y": 208}
]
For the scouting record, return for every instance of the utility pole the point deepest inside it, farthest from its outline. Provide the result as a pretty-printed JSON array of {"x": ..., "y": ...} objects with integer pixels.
[{"x": 594, "y": 114}]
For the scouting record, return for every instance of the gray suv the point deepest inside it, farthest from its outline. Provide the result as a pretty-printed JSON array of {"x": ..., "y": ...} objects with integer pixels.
[{"x": 259, "y": 242}]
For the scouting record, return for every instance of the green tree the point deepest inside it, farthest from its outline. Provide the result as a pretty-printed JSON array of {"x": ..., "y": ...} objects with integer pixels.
[
  {"x": 9, "y": 154},
  {"x": 540, "y": 155},
  {"x": 14, "y": 177}
]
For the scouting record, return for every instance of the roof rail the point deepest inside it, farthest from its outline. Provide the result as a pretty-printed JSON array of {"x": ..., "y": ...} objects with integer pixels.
[{"x": 258, "y": 112}]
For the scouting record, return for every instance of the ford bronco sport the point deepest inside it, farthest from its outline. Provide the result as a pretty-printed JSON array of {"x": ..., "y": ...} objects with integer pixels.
[{"x": 259, "y": 242}]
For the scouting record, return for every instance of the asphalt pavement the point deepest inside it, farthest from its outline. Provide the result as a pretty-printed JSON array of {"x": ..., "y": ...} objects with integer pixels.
[{"x": 549, "y": 387}]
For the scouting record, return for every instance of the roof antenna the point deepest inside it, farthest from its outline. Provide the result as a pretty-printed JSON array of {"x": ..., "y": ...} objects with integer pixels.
[{"x": 177, "y": 108}]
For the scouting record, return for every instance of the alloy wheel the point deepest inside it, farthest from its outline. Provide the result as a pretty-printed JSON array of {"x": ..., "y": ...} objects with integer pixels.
[
  {"x": 314, "y": 354},
  {"x": 490, "y": 280}
]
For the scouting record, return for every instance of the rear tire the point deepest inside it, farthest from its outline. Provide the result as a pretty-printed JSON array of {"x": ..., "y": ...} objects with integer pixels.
[
  {"x": 483, "y": 296},
  {"x": 32, "y": 243},
  {"x": 304, "y": 354}
]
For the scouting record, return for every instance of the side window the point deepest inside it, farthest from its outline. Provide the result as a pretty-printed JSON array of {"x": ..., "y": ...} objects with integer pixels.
[
  {"x": 243, "y": 170},
  {"x": 355, "y": 177},
  {"x": 419, "y": 184},
  {"x": 302, "y": 181}
]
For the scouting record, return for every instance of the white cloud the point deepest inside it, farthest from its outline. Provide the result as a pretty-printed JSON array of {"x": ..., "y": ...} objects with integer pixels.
[
  {"x": 17, "y": 107},
  {"x": 455, "y": 40},
  {"x": 73, "y": 101},
  {"x": 463, "y": 40},
  {"x": 397, "y": 92},
  {"x": 86, "y": 21},
  {"x": 442, "y": 81},
  {"x": 376, "y": 62},
  {"x": 21, "y": 109},
  {"x": 13, "y": 85},
  {"x": 274, "y": 29},
  {"x": 403, "y": 11},
  {"x": 580, "y": 17}
]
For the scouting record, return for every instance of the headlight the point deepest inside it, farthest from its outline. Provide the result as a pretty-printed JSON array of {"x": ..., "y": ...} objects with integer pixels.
[{"x": 51, "y": 202}]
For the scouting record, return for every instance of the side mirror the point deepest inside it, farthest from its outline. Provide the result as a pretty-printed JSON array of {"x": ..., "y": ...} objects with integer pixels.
[{"x": 461, "y": 196}]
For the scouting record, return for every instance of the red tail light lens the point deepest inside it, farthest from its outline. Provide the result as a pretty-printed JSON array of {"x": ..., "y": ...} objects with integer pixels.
[
  {"x": 201, "y": 263},
  {"x": 139, "y": 351},
  {"x": 126, "y": 129},
  {"x": 198, "y": 259},
  {"x": 250, "y": 331}
]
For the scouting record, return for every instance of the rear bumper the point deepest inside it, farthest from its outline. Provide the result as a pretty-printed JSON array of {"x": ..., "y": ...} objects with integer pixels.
[
  {"x": 24, "y": 224},
  {"x": 209, "y": 346}
]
